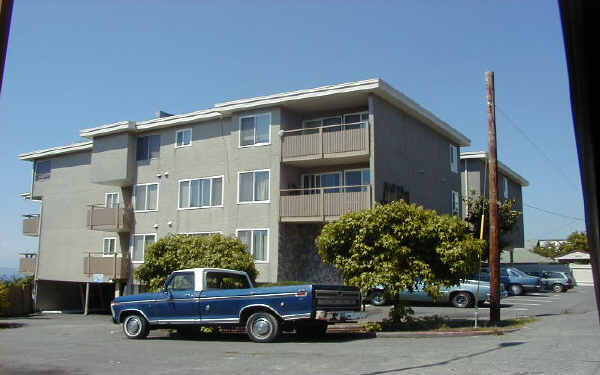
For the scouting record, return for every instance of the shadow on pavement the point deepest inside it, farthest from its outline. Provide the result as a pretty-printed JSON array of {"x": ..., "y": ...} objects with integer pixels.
[{"x": 333, "y": 337}]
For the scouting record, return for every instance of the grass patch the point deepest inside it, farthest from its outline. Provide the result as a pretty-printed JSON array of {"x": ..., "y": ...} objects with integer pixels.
[{"x": 439, "y": 323}]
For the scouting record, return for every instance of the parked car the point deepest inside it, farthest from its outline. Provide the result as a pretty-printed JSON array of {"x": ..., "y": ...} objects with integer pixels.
[
  {"x": 554, "y": 281},
  {"x": 198, "y": 297},
  {"x": 516, "y": 281},
  {"x": 461, "y": 295}
]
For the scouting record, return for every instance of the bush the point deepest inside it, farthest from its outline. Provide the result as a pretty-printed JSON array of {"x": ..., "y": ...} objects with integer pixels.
[
  {"x": 4, "y": 304},
  {"x": 177, "y": 251}
]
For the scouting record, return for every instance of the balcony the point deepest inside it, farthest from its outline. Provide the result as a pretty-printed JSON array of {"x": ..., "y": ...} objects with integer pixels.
[
  {"x": 108, "y": 219},
  {"x": 104, "y": 268},
  {"x": 31, "y": 225},
  {"x": 27, "y": 263},
  {"x": 322, "y": 204},
  {"x": 342, "y": 143}
]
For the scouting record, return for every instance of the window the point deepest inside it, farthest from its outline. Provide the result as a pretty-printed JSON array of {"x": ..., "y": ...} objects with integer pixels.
[
  {"x": 505, "y": 187},
  {"x": 356, "y": 120},
  {"x": 111, "y": 200},
  {"x": 183, "y": 138},
  {"x": 255, "y": 130},
  {"x": 357, "y": 177},
  {"x": 148, "y": 147},
  {"x": 140, "y": 244},
  {"x": 253, "y": 186},
  {"x": 322, "y": 180},
  {"x": 257, "y": 241},
  {"x": 226, "y": 280},
  {"x": 454, "y": 158},
  {"x": 202, "y": 192},
  {"x": 146, "y": 197},
  {"x": 42, "y": 170},
  {"x": 347, "y": 121},
  {"x": 455, "y": 204},
  {"x": 181, "y": 281},
  {"x": 108, "y": 247}
]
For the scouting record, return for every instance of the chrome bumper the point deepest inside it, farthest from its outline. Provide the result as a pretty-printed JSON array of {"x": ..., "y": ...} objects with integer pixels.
[{"x": 340, "y": 316}]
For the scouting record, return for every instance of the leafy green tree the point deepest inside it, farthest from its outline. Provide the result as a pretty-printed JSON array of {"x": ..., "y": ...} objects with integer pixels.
[
  {"x": 178, "y": 251},
  {"x": 4, "y": 303},
  {"x": 577, "y": 241},
  {"x": 508, "y": 218},
  {"x": 398, "y": 245}
]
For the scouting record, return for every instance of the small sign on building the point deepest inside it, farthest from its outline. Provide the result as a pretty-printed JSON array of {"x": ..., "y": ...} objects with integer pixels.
[{"x": 98, "y": 278}]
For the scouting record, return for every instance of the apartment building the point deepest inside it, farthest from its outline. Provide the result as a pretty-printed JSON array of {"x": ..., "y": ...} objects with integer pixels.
[
  {"x": 475, "y": 183},
  {"x": 269, "y": 170}
]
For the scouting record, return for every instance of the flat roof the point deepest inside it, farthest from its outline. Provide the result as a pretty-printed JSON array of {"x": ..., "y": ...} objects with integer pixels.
[
  {"x": 225, "y": 109},
  {"x": 501, "y": 166}
]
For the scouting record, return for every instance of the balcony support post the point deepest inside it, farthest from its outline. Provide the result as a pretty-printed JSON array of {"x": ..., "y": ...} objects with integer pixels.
[
  {"x": 321, "y": 141},
  {"x": 322, "y": 203},
  {"x": 115, "y": 266}
]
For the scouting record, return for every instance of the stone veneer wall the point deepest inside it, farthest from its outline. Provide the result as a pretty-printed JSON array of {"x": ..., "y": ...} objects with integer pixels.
[{"x": 298, "y": 258}]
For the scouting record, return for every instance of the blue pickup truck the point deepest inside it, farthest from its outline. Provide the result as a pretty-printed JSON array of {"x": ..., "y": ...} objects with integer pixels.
[{"x": 198, "y": 297}]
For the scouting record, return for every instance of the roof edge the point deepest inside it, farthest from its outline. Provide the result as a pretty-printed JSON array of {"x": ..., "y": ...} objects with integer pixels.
[{"x": 59, "y": 150}]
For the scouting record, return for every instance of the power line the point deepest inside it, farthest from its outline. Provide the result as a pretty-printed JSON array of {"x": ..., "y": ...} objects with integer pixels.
[
  {"x": 554, "y": 213},
  {"x": 522, "y": 132}
]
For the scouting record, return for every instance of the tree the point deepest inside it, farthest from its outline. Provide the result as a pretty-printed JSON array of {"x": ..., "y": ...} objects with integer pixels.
[
  {"x": 507, "y": 216},
  {"x": 398, "y": 245},
  {"x": 179, "y": 251},
  {"x": 577, "y": 241}
]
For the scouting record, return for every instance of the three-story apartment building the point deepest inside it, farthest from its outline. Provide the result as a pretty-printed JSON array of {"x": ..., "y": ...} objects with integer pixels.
[
  {"x": 475, "y": 183},
  {"x": 269, "y": 170}
]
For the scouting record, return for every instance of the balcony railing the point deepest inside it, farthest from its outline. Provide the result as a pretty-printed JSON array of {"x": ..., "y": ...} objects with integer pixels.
[
  {"x": 108, "y": 219},
  {"x": 31, "y": 225},
  {"x": 105, "y": 267},
  {"x": 325, "y": 142},
  {"x": 27, "y": 263},
  {"x": 323, "y": 204}
]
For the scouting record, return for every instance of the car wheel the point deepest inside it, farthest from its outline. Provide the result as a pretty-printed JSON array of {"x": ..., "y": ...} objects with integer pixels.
[
  {"x": 557, "y": 288},
  {"x": 262, "y": 327},
  {"x": 516, "y": 289},
  {"x": 462, "y": 299},
  {"x": 311, "y": 328},
  {"x": 378, "y": 298},
  {"x": 135, "y": 327}
]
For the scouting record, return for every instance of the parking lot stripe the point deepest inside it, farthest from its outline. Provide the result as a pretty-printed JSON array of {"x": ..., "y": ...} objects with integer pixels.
[
  {"x": 526, "y": 304},
  {"x": 536, "y": 300},
  {"x": 516, "y": 308}
]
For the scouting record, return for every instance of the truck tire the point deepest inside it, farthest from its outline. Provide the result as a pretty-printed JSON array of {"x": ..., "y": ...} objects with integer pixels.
[
  {"x": 462, "y": 299},
  {"x": 516, "y": 289},
  {"x": 557, "y": 288},
  {"x": 311, "y": 329},
  {"x": 378, "y": 298},
  {"x": 262, "y": 327},
  {"x": 135, "y": 327}
]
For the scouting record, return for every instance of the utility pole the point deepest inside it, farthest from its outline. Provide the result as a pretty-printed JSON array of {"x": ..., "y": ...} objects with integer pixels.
[
  {"x": 6, "y": 7},
  {"x": 494, "y": 259}
]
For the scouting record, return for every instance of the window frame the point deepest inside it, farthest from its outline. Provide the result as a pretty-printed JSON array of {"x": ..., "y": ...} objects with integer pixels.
[
  {"x": 182, "y": 131},
  {"x": 504, "y": 187},
  {"x": 454, "y": 205},
  {"x": 453, "y": 158},
  {"x": 254, "y": 115},
  {"x": 45, "y": 176},
  {"x": 254, "y": 187},
  {"x": 144, "y": 249},
  {"x": 109, "y": 255},
  {"x": 361, "y": 186},
  {"x": 251, "y": 249},
  {"x": 106, "y": 199},
  {"x": 149, "y": 153},
  {"x": 146, "y": 205},
  {"x": 222, "y": 177}
]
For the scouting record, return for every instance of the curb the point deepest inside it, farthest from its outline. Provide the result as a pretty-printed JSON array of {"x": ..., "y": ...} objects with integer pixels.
[{"x": 420, "y": 334}]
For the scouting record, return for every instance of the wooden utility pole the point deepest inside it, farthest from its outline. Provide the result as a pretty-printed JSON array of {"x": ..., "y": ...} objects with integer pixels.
[
  {"x": 6, "y": 7},
  {"x": 494, "y": 259}
]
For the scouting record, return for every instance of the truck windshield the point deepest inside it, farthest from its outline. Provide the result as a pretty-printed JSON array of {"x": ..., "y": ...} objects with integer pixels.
[{"x": 223, "y": 280}]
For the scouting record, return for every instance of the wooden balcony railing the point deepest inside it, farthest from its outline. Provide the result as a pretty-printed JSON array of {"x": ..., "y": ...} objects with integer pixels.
[
  {"x": 31, "y": 225},
  {"x": 27, "y": 264},
  {"x": 325, "y": 142},
  {"x": 323, "y": 204},
  {"x": 108, "y": 219},
  {"x": 110, "y": 267}
]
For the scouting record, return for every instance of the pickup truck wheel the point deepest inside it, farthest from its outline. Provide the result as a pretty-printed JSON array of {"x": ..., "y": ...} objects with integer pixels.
[
  {"x": 461, "y": 299},
  {"x": 516, "y": 289},
  {"x": 262, "y": 327},
  {"x": 557, "y": 288},
  {"x": 378, "y": 298},
  {"x": 135, "y": 327}
]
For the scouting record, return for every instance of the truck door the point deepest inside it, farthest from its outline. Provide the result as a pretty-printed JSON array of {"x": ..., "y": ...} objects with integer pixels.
[{"x": 181, "y": 299}]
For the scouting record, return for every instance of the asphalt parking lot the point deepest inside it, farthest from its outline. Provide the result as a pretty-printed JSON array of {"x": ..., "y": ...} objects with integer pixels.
[{"x": 565, "y": 339}]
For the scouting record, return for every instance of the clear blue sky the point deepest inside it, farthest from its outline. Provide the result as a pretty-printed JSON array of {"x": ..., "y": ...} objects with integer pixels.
[{"x": 78, "y": 64}]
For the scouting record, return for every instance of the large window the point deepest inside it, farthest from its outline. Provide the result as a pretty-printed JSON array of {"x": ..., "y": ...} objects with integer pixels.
[
  {"x": 225, "y": 280},
  {"x": 322, "y": 180},
  {"x": 454, "y": 158},
  {"x": 202, "y": 192},
  {"x": 255, "y": 130},
  {"x": 356, "y": 177},
  {"x": 111, "y": 200},
  {"x": 140, "y": 243},
  {"x": 148, "y": 147},
  {"x": 108, "y": 246},
  {"x": 181, "y": 281},
  {"x": 347, "y": 121},
  {"x": 183, "y": 138},
  {"x": 42, "y": 170},
  {"x": 253, "y": 186},
  {"x": 146, "y": 197},
  {"x": 257, "y": 241}
]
